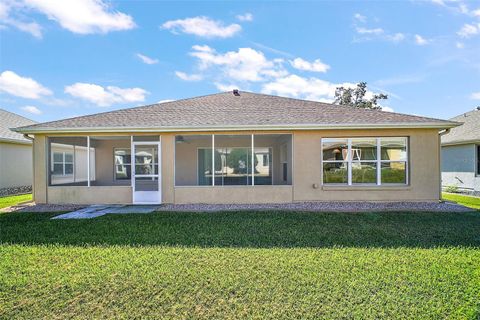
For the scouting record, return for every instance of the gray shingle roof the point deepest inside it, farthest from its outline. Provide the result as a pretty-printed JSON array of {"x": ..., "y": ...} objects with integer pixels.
[
  {"x": 227, "y": 111},
  {"x": 468, "y": 132},
  {"x": 11, "y": 120}
]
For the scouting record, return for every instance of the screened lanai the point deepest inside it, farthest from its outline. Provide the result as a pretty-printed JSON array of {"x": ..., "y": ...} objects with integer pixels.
[{"x": 233, "y": 160}]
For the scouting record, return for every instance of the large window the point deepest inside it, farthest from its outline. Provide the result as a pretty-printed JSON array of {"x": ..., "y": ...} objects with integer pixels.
[
  {"x": 365, "y": 161},
  {"x": 226, "y": 160},
  {"x": 62, "y": 163}
]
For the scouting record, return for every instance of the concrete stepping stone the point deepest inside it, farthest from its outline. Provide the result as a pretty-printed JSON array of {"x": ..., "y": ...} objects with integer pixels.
[{"x": 101, "y": 210}]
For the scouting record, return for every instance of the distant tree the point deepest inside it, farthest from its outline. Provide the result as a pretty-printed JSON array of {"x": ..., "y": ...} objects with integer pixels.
[{"x": 355, "y": 97}]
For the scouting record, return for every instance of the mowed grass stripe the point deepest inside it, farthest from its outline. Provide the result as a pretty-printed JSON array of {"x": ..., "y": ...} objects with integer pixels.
[
  {"x": 230, "y": 265},
  {"x": 249, "y": 229},
  {"x": 50, "y": 281}
]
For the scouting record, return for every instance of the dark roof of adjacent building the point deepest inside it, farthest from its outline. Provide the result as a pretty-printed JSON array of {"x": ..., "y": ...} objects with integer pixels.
[
  {"x": 229, "y": 111},
  {"x": 469, "y": 132},
  {"x": 10, "y": 120}
]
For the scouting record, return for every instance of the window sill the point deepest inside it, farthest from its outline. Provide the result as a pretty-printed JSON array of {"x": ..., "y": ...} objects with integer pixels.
[{"x": 365, "y": 187}]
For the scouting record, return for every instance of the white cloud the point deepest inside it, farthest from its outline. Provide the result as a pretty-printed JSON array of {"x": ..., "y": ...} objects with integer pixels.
[
  {"x": 374, "y": 31},
  {"x": 307, "y": 88},
  {"x": 32, "y": 110},
  {"x": 202, "y": 27},
  {"x": 7, "y": 19},
  {"x": 146, "y": 59},
  {"x": 397, "y": 37},
  {"x": 460, "y": 45},
  {"x": 30, "y": 27},
  {"x": 421, "y": 41},
  {"x": 387, "y": 109},
  {"x": 83, "y": 17},
  {"x": 315, "y": 66},
  {"x": 188, "y": 77},
  {"x": 273, "y": 50},
  {"x": 457, "y": 6},
  {"x": 225, "y": 87},
  {"x": 359, "y": 17},
  {"x": 4, "y": 10},
  {"x": 246, "y": 64},
  {"x": 23, "y": 87},
  {"x": 475, "y": 96},
  {"x": 462, "y": 7},
  {"x": 439, "y": 2},
  {"x": 165, "y": 100},
  {"x": 203, "y": 48},
  {"x": 105, "y": 97},
  {"x": 245, "y": 17},
  {"x": 468, "y": 30}
]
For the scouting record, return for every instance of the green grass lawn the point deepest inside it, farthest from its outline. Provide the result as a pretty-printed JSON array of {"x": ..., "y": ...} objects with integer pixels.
[
  {"x": 230, "y": 265},
  {"x": 468, "y": 201},
  {"x": 13, "y": 200}
]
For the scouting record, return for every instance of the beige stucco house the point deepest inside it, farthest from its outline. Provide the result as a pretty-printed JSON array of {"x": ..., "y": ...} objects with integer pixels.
[
  {"x": 15, "y": 155},
  {"x": 238, "y": 147}
]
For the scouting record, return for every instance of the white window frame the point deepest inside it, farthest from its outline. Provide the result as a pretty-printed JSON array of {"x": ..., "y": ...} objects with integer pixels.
[
  {"x": 63, "y": 163},
  {"x": 349, "y": 161},
  {"x": 125, "y": 164}
]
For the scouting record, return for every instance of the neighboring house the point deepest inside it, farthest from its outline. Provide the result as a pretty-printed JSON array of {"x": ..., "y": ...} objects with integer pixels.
[
  {"x": 16, "y": 168},
  {"x": 239, "y": 147},
  {"x": 461, "y": 153}
]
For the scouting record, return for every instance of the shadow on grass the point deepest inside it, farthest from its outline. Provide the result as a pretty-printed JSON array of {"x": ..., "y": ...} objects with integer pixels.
[{"x": 249, "y": 229}]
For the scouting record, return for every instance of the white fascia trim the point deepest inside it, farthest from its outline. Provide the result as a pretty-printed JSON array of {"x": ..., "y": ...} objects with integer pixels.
[
  {"x": 425, "y": 125},
  {"x": 15, "y": 141},
  {"x": 456, "y": 143}
]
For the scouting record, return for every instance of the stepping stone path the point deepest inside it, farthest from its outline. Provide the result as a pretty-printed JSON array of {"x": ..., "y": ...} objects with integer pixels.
[{"x": 101, "y": 210}]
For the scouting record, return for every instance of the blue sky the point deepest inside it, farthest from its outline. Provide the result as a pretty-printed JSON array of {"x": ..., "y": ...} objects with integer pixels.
[{"x": 70, "y": 58}]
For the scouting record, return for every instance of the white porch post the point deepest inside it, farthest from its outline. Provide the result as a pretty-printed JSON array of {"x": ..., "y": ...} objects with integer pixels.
[
  {"x": 88, "y": 161},
  {"x": 379, "y": 162},
  {"x": 213, "y": 160},
  {"x": 253, "y": 161},
  {"x": 132, "y": 163},
  {"x": 159, "y": 164},
  {"x": 349, "y": 161}
]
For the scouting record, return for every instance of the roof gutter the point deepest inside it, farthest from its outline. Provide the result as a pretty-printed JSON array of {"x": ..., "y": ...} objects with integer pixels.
[
  {"x": 26, "y": 136},
  {"x": 461, "y": 142},
  {"x": 425, "y": 125},
  {"x": 444, "y": 132},
  {"x": 15, "y": 141}
]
